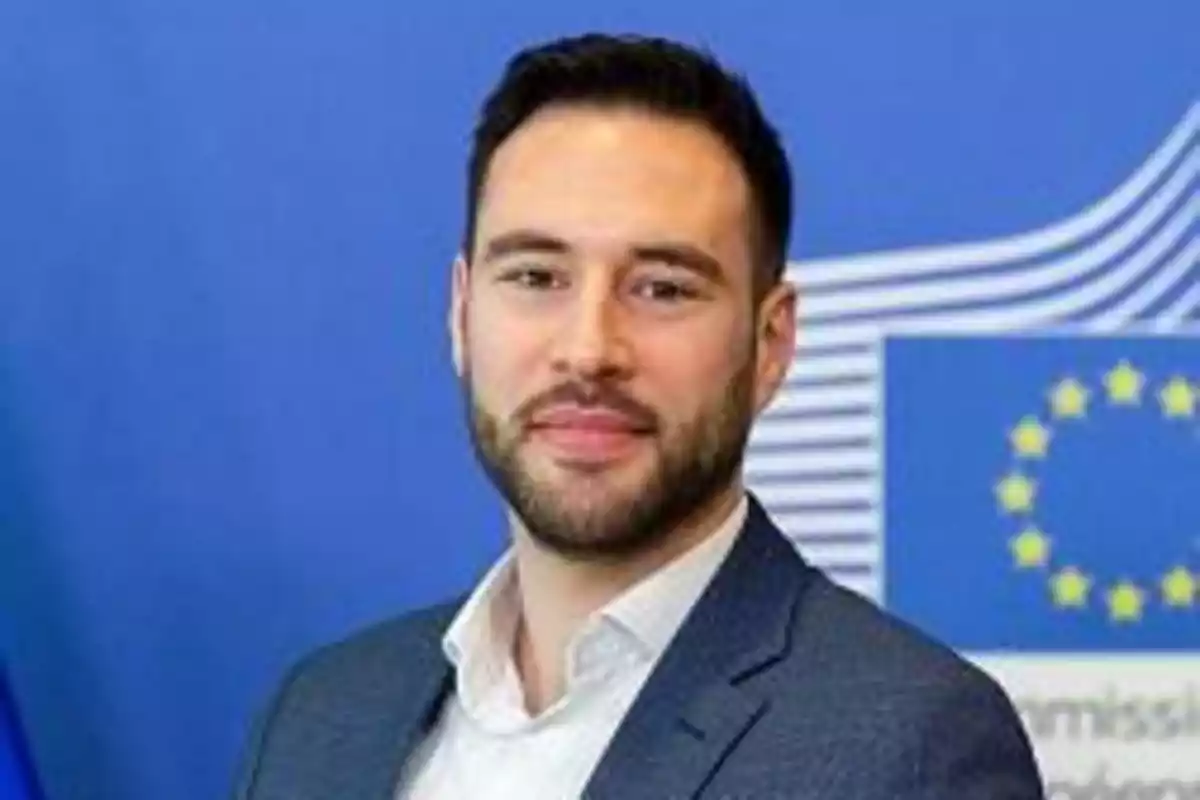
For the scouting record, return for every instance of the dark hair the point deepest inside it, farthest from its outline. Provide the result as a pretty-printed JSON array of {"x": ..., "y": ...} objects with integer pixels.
[{"x": 658, "y": 75}]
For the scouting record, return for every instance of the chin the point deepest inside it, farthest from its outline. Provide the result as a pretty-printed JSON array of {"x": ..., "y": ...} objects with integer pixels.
[
  {"x": 588, "y": 481},
  {"x": 597, "y": 533}
]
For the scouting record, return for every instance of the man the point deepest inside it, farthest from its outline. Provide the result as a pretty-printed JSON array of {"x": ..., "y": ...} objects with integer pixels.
[{"x": 619, "y": 318}]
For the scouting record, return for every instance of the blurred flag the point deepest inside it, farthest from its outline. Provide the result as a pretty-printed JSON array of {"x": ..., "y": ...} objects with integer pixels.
[
  {"x": 16, "y": 772},
  {"x": 1043, "y": 491}
]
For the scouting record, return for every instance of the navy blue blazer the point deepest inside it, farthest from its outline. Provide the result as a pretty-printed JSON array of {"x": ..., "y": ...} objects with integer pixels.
[{"x": 780, "y": 684}]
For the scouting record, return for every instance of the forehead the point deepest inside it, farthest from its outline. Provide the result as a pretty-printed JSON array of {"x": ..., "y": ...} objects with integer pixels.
[{"x": 616, "y": 174}]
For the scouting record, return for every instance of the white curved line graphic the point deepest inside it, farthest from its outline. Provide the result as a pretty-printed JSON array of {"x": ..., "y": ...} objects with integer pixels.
[
  {"x": 828, "y": 522},
  {"x": 1031, "y": 278},
  {"x": 769, "y": 465},
  {"x": 859, "y": 554},
  {"x": 816, "y": 431},
  {"x": 1038, "y": 311},
  {"x": 825, "y": 367},
  {"x": 816, "y": 493},
  {"x": 1174, "y": 274},
  {"x": 1186, "y": 306},
  {"x": 847, "y": 270},
  {"x": 826, "y": 399},
  {"x": 1148, "y": 250}
]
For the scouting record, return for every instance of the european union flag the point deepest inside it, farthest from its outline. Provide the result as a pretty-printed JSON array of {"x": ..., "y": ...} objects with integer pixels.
[
  {"x": 16, "y": 773},
  {"x": 1042, "y": 492}
]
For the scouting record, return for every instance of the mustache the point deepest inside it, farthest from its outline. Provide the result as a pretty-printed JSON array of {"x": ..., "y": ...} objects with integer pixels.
[{"x": 588, "y": 395}]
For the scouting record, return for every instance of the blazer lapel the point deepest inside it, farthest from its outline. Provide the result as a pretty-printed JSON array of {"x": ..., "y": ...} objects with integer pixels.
[
  {"x": 692, "y": 711},
  {"x": 396, "y": 717}
]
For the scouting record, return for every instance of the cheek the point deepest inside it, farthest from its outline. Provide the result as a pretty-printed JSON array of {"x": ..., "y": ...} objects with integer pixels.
[
  {"x": 692, "y": 374},
  {"x": 503, "y": 363}
]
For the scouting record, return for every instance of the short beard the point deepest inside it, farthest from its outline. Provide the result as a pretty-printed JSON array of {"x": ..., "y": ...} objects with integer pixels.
[{"x": 696, "y": 462}]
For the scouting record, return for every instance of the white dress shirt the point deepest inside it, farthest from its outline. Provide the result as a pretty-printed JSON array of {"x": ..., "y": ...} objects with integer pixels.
[{"x": 485, "y": 745}]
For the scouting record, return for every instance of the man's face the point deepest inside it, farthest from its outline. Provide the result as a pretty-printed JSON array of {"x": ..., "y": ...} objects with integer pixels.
[{"x": 605, "y": 330}]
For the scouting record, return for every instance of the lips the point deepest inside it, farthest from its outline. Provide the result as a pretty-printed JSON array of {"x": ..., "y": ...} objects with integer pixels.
[
  {"x": 590, "y": 436},
  {"x": 588, "y": 419}
]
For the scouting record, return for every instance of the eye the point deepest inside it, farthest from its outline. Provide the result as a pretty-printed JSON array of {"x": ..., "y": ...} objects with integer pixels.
[
  {"x": 665, "y": 290},
  {"x": 532, "y": 277}
]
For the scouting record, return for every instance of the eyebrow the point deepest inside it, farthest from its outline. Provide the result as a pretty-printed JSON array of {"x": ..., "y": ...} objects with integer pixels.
[
  {"x": 685, "y": 256},
  {"x": 522, "y": 241},
  {"x": 677, "y": 254}
]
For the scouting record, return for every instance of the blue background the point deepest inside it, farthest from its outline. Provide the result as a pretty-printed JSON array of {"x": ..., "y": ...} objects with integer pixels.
[
  {"x": 17, "y": 781},
  {"x": 228, "y": 427}
]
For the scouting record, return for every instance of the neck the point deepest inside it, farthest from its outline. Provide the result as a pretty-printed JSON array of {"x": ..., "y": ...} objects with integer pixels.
[{"x": 558, "y": 594}]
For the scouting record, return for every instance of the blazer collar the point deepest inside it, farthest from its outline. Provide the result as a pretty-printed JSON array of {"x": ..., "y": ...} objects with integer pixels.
[{"x": 692, "y": 709}]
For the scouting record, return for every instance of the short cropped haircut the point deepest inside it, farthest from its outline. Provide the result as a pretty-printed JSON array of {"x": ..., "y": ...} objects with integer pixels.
[{"x": 655, "y": 75}]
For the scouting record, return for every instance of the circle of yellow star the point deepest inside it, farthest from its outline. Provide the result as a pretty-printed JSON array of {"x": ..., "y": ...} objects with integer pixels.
[
  {"x": 1015, "y": 493},
  {"x": 1178, "y": 398},
  {"x": 1125, "y": 601},
  {"x": 1070, "y": 588},
  {"x": 1030, "y": 438},
  {"x": 1179, "y": 588},
  {"x": 1069, "y": 399},
  {"x": 1030, "y": 549},
  {"x": 1124, "y": 384}
]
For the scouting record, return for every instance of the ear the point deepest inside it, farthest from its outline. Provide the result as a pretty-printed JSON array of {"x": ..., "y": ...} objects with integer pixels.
[
  {"x": 456, "y": 318},
  {"x": 776, "y": 342}
]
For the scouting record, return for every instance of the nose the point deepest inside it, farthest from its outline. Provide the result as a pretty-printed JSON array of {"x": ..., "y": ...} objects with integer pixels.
[{"x": 592, "y": 343}]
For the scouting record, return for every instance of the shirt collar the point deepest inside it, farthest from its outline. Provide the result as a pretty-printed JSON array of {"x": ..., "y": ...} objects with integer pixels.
[
  {"x": 653, "y": 609},
  {"x": 481, "y": 635},
  {"x": 487, "y": 622}
]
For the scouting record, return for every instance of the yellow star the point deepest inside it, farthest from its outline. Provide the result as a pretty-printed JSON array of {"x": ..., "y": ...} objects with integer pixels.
[
  {"x": 1124, "y": 384},
  {"x": 1125, "y": 601},
  {"x": 1016, "y": 492},
  {"x": 1070, "y": 588},
  {"x": 1031, "y": 548},
  {"x": 1178, "y": 398},
  {"x": 1030, "y": 438},
  {"x": 1069, "y": 398},
  {"x": 1179, "y": 588}
]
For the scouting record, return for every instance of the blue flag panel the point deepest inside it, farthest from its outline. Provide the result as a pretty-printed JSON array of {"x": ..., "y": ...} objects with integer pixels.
[{"x": 1043, "y": 492}]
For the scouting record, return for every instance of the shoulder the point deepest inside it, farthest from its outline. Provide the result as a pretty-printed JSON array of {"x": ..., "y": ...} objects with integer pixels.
[
  {"x": 383, "y": 640},
  {"x": 839, "y": 625},
  {"x": 910, "y": 699},
  {"x": 377, "y": 653},
  {"x": 340, "y": 691},
  {"x": 839, "y": 638},
  {"x": 855, "y": 642}
]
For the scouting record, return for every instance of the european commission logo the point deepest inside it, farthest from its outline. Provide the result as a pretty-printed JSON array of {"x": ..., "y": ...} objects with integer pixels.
[
  {"x": 1043, "y": 491},
  {"x": 1054, "y": 507}
]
